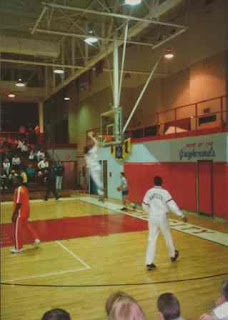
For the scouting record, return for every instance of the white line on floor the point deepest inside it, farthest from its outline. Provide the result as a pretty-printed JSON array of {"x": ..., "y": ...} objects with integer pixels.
[
  {"x": 50, "y": 274},
  {"x": 73, "y": 255}
]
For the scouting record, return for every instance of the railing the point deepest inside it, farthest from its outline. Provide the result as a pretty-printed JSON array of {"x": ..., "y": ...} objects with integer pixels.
[{"x": 203, "y": 115}]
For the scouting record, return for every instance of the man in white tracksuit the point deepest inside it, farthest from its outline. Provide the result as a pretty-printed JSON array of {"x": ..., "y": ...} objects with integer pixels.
[
  {"x": 92, "y": 162},
  {"x": 158, "y": 202}
]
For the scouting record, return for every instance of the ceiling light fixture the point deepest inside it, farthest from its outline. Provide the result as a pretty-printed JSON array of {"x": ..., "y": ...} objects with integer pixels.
[
  {"x": 91, "y": 38},
  {"x": 11, "y": 95},
  {"x": 169, "y": 54},
  {"x": 58, "y": 71},
  {"x": 133, "y": 2},
  {"x": 20, "y": 83},
  {"x": 66, "y": 98}
]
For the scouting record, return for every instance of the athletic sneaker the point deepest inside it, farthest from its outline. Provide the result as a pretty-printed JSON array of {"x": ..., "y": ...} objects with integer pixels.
[
  {"x": 36, "y": 243},
  {"x": 173, "y": 259},
  {"x": 14, "y": 250},
  {"x": 150, "y": 266}
]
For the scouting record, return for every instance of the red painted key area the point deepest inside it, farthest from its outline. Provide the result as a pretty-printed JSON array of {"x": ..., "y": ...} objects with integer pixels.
[{"x": 69, "y": 228}]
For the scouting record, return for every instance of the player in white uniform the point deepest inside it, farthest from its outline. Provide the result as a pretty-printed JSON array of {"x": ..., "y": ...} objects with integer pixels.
[
  {"x": 158, "y": 202},
  {"x": 92, "y": 162}
]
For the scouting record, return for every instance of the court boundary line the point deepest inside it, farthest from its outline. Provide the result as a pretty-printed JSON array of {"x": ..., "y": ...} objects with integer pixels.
[
  {"x": 114, "y": 284},
  {"x": 50, "y": 274},
  {"x": 73, "y": 255}
]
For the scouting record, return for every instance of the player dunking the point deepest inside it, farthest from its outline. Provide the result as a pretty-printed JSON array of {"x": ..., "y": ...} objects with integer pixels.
[
  {"x": 158, "y": 202},
  {"x": 21, "y": 215},
  {"x": 92, "y": 162}
]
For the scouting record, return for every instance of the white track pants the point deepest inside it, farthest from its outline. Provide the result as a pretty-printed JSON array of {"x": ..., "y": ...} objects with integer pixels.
[
  {"x": 157, "y": 224},
  {"x": 96, "y": 176}
]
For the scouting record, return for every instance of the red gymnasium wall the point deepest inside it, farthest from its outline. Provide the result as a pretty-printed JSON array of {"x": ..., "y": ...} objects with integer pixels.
[
  {"x": 220, "y": 188},
  {"x": 181, "y": 180}
]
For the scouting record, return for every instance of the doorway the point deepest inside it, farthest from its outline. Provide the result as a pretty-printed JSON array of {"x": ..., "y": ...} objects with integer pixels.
[{"x": 205, "y": 187}]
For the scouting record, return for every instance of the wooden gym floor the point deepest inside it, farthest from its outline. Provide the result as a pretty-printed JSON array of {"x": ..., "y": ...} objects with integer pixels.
[{"x": 88, "y": 252}]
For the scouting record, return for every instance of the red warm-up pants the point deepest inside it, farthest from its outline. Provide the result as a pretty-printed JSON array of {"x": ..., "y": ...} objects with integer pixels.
[{"x": 20, "y": 225}]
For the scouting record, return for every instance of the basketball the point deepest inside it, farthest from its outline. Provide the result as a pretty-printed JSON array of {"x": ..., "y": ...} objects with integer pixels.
[{"x": 119, "y": 188}]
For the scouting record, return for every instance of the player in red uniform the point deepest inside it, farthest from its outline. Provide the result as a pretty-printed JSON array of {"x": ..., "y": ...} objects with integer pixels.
[{"x": 21, "y": 215}]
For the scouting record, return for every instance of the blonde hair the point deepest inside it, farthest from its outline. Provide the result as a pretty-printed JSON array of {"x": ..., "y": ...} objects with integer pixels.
[{"x": 123, "y": 307}]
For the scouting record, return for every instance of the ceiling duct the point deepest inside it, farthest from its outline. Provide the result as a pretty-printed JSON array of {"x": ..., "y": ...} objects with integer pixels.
[{"x": 29, "y": 47}]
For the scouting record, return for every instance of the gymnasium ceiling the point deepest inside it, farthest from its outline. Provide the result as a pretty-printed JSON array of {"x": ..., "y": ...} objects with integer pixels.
[{"x": 36, "y": 36}]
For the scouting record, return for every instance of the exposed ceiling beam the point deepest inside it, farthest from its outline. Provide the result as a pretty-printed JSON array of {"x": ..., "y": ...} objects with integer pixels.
[
  {"x": 38, "y": 20},
  {"x": 37, "y": 63},
  {"x": 110, "y": 14},
  {"x": 133, "y": 31},
  {"x": 25, "y": 62},
  {"x": 82, "y": 36}
]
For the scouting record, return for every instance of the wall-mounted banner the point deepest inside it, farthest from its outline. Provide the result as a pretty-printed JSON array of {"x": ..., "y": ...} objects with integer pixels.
[
  {"x": 188, "y": 149},
  {"x": 121, "y": 151},
  {"x": 200, "y": 150}
]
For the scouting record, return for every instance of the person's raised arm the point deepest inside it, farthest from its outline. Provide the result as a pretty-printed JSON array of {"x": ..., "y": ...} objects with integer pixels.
[{"x": 91, "y": 135}]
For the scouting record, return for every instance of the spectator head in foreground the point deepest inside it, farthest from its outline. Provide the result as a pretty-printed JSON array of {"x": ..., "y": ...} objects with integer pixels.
[
  {"x": 121, "y": 306},
  {"x": 56, "y": 314},
  {"x": 169, "y": 307}
]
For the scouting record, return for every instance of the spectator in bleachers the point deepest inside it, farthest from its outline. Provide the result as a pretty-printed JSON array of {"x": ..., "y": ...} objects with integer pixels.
[
  {"x": 121, "y": 306},
  {"x": 56, "y": 314},
  {"x": 22, "y": 146},
  {"x": 40, "y": 155},
  {"x": 169, "y": 307},
  {"x": 32, "y": 155},
  {"x": 6, "y": 166},
  {"x": 220, "y": 312},
  {"x": 19, "y": 144},
  {"x": 4, "y": 182},
  {"x": 16, "y": 162},
  {"x": 43, "y": 164},
  {"x": 31, "y": 172}
]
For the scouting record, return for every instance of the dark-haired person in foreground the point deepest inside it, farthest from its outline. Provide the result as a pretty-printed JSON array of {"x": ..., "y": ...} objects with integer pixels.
[
  {"x": 169, "y": 307},
  {"x": 56, "y": 314},
  {"x": 158, "y": 202}
]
